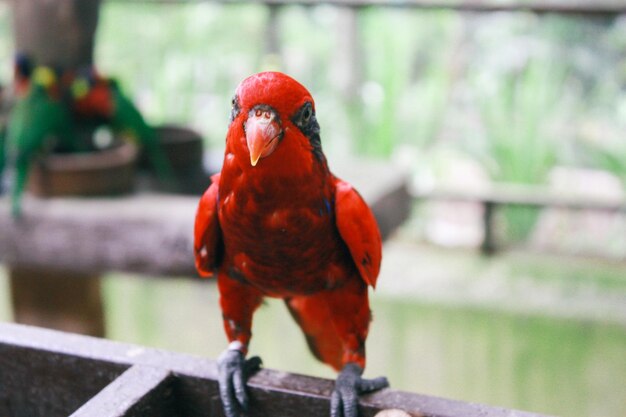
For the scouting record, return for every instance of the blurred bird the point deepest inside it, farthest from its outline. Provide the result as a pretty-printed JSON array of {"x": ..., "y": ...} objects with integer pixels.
[
  {"x": 101, "y": 101},
  {"x": 50, "y": 105},
  {"x": 36, "y": 117},
  {"x": 125, "y": 117},
  {"x": 277, "y": 223}
]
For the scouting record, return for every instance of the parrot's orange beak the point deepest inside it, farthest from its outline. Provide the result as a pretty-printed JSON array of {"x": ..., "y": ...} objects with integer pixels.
[{"x": 263, "y": 133}]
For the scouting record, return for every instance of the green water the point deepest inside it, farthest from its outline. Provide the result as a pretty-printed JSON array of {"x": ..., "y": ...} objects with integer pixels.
[
  {"x": 562, "y": 354},
  {"x": 553, "y": 366}
]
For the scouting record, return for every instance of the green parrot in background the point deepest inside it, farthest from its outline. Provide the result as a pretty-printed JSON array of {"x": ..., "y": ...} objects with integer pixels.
[
  {"x": 126, "y": 118},
  {"x": 45, "y": 116},
  {"x": 36, "y": 118}
]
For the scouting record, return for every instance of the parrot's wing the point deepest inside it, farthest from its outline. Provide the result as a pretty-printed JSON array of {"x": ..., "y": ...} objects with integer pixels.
[
  {"x": 358, "y": 229},
  {"x": 207, "y": 234}
]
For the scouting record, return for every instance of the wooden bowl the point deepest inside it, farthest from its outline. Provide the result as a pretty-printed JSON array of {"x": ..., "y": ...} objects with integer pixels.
[
  {"x": 182, "y": 148},
  {"x": 104, "y": 172}
]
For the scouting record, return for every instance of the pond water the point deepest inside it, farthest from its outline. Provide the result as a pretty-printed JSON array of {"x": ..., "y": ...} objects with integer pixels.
[{"x": 516, "y": 331}]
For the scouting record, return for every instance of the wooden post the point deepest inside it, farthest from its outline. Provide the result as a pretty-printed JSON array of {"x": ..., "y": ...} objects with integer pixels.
[
  {"x": 488, "y": 246},
  {"x": 62, "y": 300},
  {"x": 57, "y": 33}
]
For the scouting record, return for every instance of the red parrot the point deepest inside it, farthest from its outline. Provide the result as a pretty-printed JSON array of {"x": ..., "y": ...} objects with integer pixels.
[{"x": 277, "y": 223}]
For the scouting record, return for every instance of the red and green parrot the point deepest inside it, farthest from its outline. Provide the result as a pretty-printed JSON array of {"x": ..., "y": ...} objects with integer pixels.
[
  {"x": 277, "y": 223},
  {"x": 50, "y": 105},
  {"x": 39, "y": 115}
]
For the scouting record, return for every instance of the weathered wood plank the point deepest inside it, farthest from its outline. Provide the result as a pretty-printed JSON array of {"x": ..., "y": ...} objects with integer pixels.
[
  {"x": 600, "y": 7},
  {"x": 525, "y": 195},
  {"x": 53, "y": 384},
  {"x": 139, "y": 391},
  {"x": 149, "y": 233},
  {"x": 146, "y": 233},
  {"x": 193, "y": 381}
]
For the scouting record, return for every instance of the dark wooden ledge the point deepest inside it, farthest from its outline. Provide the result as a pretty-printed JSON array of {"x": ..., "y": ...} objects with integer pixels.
[
  {"x": 150, "y": 233},
  {"x": 45, "y": 373}
]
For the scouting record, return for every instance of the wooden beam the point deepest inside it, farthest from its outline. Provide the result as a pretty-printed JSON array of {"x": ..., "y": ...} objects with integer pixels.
[
  {"x": 139, "y": 391},
  {"x": 525, "y": 195},
  {"x": 147, "y": 233},
  {"x": 47, "y": 382},
  {"x": 605, "y": 7},
  {"x": 191, "y": 390},
  {"x": 150, "y": 233}
]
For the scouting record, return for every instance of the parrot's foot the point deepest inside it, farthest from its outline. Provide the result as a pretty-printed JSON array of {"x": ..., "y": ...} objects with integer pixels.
[
  {"x": 349, "y": 385},
  {"x": 234, "y": 371}
]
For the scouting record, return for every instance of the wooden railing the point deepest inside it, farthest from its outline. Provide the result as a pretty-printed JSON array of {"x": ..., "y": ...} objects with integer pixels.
[
  {"x": 45, "y": 373},
  {"x": 152, "y": 233},
  {"x": 588, "y": 7},
  {"x": 519, "y": 195}
]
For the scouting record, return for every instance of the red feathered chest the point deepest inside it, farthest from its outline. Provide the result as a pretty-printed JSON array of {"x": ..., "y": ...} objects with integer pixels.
[{"x": 279, "y": 232}]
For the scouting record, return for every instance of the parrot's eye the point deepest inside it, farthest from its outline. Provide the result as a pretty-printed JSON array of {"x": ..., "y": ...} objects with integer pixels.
[
  {"x": 306, "y": 122},
  {"x": 235, "y": 109},
  {"x": 304, "y": 115}
]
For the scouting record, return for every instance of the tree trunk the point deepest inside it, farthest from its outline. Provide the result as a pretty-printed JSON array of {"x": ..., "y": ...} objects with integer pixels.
[{"x": 57, "y": 33}]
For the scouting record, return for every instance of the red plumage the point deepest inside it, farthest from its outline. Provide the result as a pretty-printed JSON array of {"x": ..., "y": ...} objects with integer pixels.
[
  {"x": 276, "y": 222},
  {"x": 97, "y": 102}
]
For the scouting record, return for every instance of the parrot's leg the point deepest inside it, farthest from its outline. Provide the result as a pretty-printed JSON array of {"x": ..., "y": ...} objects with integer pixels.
[
  {"x": 313, "y": 316},
  {"x": 238, "y": 301},
  {"x": 349, "y": 307},
  {"x": 341, "y": 345}
]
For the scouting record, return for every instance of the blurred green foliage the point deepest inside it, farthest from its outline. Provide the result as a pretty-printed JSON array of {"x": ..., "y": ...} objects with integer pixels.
[
  {"x": 515, "y": 93},
  {"x": 518, "y": 144}
]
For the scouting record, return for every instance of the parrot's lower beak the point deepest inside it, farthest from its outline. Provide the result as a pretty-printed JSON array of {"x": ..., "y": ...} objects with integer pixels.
[{"x": 263, "y": 133}]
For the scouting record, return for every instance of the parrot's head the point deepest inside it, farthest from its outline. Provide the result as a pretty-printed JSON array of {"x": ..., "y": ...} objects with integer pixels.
[{"x": 273, "y": 121}]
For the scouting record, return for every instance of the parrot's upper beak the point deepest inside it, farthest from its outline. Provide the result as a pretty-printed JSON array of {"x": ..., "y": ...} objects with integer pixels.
[{"x": 263, "y": 133}]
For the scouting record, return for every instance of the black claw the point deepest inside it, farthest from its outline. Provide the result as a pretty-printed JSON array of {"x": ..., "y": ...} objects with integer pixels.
[
  {"x": 370, "y": 385},
  {"x": 252, "y": 366},
  {"x": 349, "y": 385},
  {"x": 234, "y": 371}
]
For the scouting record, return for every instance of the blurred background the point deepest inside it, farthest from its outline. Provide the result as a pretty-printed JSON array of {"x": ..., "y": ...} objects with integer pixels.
[{"x": 475, "y": 107}]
